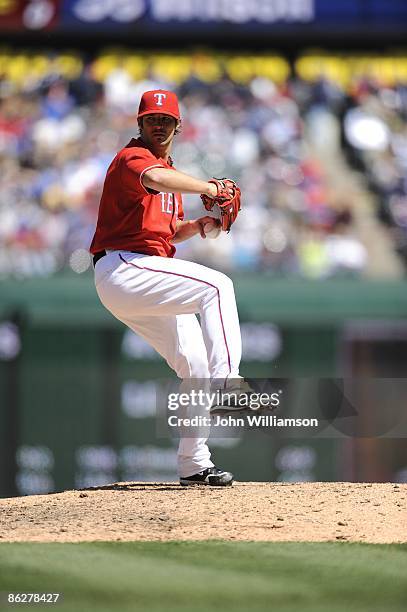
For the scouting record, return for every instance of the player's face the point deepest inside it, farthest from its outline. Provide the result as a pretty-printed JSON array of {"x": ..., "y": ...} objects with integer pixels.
[{"x": 158, "y": 130}]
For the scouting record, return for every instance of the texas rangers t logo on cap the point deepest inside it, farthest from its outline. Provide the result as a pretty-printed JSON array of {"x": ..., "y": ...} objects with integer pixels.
[
  {"x": 159, "y": 97},
  {"x": 159, "y": 101}
]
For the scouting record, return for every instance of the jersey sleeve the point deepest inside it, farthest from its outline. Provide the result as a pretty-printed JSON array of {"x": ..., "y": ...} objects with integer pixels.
[{"x": 133, "y": 168}]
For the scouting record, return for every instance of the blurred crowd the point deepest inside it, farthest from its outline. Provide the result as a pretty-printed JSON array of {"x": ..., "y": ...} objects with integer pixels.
[
  {"x": 375, "y": 138},
  {"x": 58, "y": 136}
]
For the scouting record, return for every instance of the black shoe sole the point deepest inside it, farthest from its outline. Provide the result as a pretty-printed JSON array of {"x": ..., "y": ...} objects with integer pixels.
[
  {"x": 200, "y": 483},
  {"x": 205, "y": 484}
]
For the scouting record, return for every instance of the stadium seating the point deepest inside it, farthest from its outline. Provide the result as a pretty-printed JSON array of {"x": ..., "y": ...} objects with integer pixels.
[{"x": 249, "y": 117}]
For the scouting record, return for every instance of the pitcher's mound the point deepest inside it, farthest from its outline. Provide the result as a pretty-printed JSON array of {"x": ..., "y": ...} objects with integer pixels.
[{"x": 314, "y": 512}]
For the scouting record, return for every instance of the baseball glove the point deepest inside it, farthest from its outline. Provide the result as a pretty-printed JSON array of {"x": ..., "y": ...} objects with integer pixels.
[{"x": 227, "y": 200}]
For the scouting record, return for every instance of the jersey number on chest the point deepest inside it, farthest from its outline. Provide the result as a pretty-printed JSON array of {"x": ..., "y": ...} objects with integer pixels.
[{"x": 167, "y": 204}]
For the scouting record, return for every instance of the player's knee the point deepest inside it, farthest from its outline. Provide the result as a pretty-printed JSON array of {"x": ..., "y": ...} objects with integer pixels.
[
  {"x": 225, "y": 283},
  {"x": 220, "y": 284}
]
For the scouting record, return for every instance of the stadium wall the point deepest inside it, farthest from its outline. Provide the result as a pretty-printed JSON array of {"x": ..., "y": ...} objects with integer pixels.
[{"x": 78, "y": 391}]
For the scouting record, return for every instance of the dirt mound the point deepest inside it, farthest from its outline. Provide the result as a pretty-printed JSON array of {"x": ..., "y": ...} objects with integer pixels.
[{"x": 247, "y": 511}]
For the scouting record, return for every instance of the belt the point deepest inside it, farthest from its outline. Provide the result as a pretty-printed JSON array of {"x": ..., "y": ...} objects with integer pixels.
[
  {"x": 98, "y": 256},
  {"x": 101, "y": 254}
]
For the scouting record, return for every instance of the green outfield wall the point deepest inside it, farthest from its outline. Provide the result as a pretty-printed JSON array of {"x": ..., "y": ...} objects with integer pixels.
[
  {"x": 71, "y": 299},
  {"x": 78, "y": 391}
]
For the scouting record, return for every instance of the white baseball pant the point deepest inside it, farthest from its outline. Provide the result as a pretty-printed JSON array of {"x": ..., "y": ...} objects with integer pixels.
[{"x": 159, "y": 298}]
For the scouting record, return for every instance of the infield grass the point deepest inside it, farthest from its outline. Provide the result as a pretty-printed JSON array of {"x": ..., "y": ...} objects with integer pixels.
[{"x": 208, "y": 576}]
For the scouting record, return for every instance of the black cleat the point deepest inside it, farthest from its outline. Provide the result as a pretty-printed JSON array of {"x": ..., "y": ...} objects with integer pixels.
[{"x": 210, "y": 476}]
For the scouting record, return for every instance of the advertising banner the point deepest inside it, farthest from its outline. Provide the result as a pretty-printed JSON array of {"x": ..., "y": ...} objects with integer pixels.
[{"x": 242, "y": 18}]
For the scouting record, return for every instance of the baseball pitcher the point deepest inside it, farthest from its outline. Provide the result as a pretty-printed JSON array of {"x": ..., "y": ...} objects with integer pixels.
[{"x": 140, "y": 219}]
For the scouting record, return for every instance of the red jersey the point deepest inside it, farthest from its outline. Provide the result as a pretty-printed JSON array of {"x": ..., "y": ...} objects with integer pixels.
[{"x": 131, "y": 216}]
